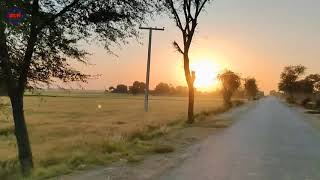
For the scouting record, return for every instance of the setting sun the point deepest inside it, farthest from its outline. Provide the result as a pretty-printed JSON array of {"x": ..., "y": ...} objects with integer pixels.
[{"x": 206, "y": 74}]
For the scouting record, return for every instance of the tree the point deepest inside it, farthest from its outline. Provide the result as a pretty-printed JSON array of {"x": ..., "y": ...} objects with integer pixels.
[
  {"x": 230, "y": 83},
  {"x": 186, "y": 14},
  {"x": 303, "y": 86},
  {"x": 308, "y": 85},
  {"x": 37, "y": 51},
  {"x": 121, "y": 88},
  {"x": 251, "y": 87},
  {"x": 181, "y": 90},
  {"x": 111, "y": 89},
  {"x": 314, "y": 79},
  {"x": 317, "y": 87},
  {"x": 137, "y": 88},
  {"x": 162, "y": 89},
  {"x": 289, "y": 77}
]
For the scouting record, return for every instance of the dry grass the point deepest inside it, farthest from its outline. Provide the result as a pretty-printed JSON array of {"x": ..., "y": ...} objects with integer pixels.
[{"x": 70, "y": 131}]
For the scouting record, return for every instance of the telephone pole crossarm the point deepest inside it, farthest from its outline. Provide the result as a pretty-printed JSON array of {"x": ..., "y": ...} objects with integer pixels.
[{"x": 152, "y": 28}]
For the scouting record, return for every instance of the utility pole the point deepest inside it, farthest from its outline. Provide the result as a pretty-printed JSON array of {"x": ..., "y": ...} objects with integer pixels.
[{"x": 146, "y": 98}]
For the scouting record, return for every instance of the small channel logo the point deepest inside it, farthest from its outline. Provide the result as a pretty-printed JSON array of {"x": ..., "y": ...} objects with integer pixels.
[{"x": 14, "y": 16}]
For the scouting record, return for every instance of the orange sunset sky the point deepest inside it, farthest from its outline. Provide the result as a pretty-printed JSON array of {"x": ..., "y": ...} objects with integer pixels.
[{"x": 255, "y": 38}]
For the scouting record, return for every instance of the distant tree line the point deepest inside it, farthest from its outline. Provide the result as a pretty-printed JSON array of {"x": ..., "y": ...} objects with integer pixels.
[
  {"x": 139, "y": 88},
  {"x": 230, "y": 81}
]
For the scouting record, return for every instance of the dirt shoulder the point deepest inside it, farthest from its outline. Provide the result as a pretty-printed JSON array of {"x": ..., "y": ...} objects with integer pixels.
[{"x": 182, "y": 140}]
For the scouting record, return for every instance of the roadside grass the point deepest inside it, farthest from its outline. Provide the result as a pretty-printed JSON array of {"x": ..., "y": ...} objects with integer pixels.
[
  {"x": 312, "y": 107},
  {"x": 70, "y": 132},
  {"x": 219, "y": 110}
]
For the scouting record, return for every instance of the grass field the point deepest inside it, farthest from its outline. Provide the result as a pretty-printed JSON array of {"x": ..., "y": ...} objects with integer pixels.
[{"x": 75, "y": 130}]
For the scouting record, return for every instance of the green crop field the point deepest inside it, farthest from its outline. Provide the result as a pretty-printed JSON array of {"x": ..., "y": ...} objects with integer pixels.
[{"x": 75, "y": 128}]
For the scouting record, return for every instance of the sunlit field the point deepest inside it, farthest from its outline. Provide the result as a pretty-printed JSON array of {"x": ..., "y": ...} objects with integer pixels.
[{"x": 67, "y": 127}]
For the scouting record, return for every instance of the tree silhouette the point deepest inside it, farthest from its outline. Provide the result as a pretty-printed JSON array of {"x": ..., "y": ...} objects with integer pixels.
[
  {"x": 251, "y": 87},
  {"x": 137, "y": 88},
  {"x": 121, "y": 88},
  {"x": 230, "y": 83},
  {"x": 162, "y": 89},
  {"x": 111, "y": 88},
  {"x": 37, "y": 51},
  {"x": 295, "y": 86},
  {"x": 288, "y": 77},
  {"x": 185, "y": 14},
  {"x": 314, "y": 79},
  {"x": 181, "y": 90}
]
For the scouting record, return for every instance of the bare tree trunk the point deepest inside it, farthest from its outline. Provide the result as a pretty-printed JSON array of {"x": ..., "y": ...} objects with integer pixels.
[
  {"x": 190, "y": 78},
  {"x": 191, "y": 105},
  {"x": 21, "y": 133},
  {"x": 227, "y": 98}
]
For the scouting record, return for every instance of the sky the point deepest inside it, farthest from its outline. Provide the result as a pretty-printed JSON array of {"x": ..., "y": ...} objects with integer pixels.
[{"x": 255, "y": 38}]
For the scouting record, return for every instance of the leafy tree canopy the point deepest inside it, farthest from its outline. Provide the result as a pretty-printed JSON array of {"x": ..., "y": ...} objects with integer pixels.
[
  {"x": 137, "y": 87},
  {"x": 121, "y": 88},
  {"x": 289, "y": 76},
  {"x": 293, "y": 82},
  {"x": 230, "y": 83},
  {"x": 62, "y": 27},
  {"x": 163, "y": 88},
  {"x": 251, "y": 87}
]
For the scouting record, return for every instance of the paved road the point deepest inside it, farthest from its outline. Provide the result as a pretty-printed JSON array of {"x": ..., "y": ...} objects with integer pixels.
[{"x": 269, "y": 142}]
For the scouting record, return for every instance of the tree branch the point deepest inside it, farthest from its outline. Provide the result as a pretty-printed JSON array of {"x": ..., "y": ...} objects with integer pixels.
[
  {"x": 4, "y": 54},
  {"x": 23, "y": 78},
  {"x": 200, "y": 9},
  {"x": 25, "y": 67},
  {"x": 176, "y": 15},
  {"x": 63, "y": 11},
  {"x": 177, "y": 47}
]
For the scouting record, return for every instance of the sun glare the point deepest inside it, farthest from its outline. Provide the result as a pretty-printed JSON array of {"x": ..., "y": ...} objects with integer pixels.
[{"x": 206, "y": 74}]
